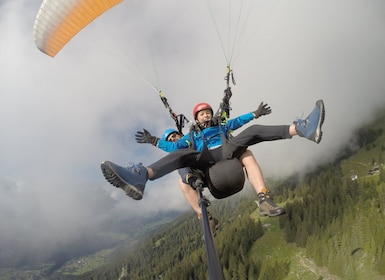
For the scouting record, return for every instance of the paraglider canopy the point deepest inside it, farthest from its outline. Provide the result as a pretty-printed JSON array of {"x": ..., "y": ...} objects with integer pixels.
[{"x": 57, "y": 21}]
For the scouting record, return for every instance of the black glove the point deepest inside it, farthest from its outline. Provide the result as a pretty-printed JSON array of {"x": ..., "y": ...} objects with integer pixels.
[
  {"x": 263, "y": 109},
  {"x": 146, "y": 137}
]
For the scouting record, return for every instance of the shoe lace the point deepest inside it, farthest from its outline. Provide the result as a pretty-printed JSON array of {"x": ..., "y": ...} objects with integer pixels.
[
  {"x": 267, "y": 200},
  {"x": 269, "y": 204},
  {"x": 301, "y": 122},
  {"x": 136, "y": 167}
]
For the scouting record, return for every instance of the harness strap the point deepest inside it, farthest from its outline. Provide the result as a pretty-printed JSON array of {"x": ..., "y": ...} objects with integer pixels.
[{"x": 180, "y": 120}]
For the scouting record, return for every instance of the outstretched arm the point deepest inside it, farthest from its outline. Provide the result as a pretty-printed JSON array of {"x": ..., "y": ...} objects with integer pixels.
[
  {"x": 263, "y": 109},
  {"x": 146, "y": 137}
]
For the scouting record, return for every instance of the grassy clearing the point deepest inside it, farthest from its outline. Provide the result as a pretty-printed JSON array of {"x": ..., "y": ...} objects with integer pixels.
[
  {"x": 272, "y": 246},
  {"x": 362, "y": 161},
  {"x": 85, "y": 264}
]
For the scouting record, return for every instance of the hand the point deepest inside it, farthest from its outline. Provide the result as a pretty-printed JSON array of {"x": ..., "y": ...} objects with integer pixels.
[
  {"x": 198, "y": 183},
  {"x": 194, "y": 181},
  {"x": 146, "y": 137},
  {"x": 263, "y": 109}
]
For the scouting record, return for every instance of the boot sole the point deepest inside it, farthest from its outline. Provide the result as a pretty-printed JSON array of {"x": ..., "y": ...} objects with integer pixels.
[
  {"x": 318, "y": 134},
  {"x": 114, "y": 179},
  {"x": 264, "y": 214}
]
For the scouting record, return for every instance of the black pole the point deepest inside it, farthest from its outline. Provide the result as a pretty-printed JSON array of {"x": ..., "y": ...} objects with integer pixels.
[{"x": 214, "y": 266}]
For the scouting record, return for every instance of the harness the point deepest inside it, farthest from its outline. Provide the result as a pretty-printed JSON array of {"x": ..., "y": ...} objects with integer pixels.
[
  {"x": 180, "y": 120},
  {"x": 224, "y": 177}
]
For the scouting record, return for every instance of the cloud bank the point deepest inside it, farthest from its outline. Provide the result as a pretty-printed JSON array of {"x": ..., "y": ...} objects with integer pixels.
[{"x": 59, "y": 118}]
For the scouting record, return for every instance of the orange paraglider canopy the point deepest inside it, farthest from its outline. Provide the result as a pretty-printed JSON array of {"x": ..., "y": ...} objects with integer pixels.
[{"x": 58, "y": 21}]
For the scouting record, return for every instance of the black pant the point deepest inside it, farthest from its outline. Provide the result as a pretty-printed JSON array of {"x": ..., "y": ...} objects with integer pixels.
[{"x": 234, "y": 147}]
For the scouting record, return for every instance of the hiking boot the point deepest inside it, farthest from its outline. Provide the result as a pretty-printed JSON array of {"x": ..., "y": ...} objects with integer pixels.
[
  {"x": 267, "y": 206},
  {"x": 131, "y": 179},
  {"x": 310, "y": 127}
]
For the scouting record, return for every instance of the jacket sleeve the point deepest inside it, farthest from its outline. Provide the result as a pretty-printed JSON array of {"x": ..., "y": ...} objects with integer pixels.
[
  {"x": 237, "y": 122},
  {"x": 169, "y": 147}
]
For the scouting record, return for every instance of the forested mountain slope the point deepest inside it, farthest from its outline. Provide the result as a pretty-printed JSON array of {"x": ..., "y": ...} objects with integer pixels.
[{"x": 334, "y": 228}]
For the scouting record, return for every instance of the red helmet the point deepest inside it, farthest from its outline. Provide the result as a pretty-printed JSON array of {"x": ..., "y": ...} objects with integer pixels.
[{"x": 201, "y": 106}]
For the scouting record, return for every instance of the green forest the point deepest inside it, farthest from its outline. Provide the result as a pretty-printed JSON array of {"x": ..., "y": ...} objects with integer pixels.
[{"x": 334, "y": 228}]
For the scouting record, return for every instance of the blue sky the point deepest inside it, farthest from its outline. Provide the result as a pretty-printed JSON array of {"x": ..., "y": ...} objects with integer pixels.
[{"x": 60, "y": 117}]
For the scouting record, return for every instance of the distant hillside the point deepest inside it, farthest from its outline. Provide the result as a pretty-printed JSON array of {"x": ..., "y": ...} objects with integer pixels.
[
  {"x": 334, "y": 229},
  {"x": 80, "y": 257}
]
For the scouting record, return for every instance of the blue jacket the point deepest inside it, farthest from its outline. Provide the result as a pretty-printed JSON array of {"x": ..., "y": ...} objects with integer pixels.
[{"x": 212, "y": 135}]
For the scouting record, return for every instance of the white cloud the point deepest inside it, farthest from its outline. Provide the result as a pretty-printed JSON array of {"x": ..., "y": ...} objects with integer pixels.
[{"x": 59, "y": 118}]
